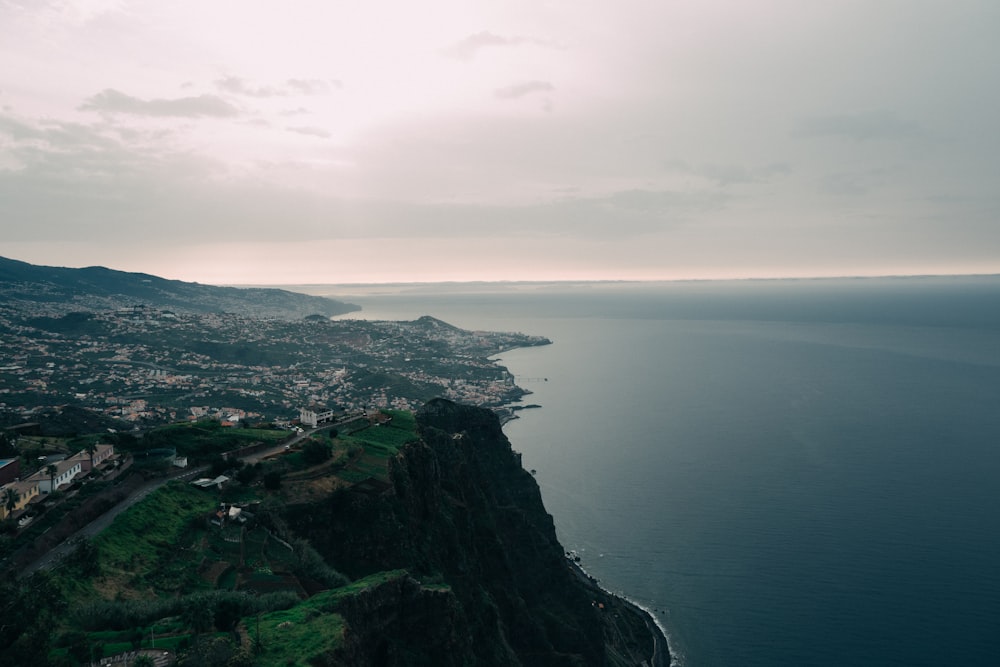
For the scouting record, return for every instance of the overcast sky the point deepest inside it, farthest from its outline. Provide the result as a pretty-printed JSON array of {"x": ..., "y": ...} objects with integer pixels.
[{"x": 332, "y": 142}]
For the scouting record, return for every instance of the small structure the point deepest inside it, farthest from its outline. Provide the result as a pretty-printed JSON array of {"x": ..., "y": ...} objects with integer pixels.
[
  {"x": 64, "y": 474},
  {"x": 230, "y": 514},
  {"x": 205, "y": 482}
]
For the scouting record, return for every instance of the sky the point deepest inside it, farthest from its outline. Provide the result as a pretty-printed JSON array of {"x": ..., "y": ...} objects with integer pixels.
[{"x": 249, "y": 142}]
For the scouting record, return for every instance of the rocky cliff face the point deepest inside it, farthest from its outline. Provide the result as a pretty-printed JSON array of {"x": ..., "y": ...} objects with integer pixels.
[{"x": 486, "y": 582}]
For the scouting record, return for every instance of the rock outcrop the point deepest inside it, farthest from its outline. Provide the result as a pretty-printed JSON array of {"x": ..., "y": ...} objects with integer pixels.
[{"x": 484, "y": 580}]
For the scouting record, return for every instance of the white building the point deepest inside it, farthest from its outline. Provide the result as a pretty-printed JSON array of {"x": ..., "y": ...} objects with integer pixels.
[
  {"x": 65, "y": 472},
  {"x": 313, "y": 418}
]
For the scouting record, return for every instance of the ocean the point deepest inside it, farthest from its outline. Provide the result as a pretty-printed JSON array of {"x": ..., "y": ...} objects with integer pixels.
[{"x": 782, "y": 472}]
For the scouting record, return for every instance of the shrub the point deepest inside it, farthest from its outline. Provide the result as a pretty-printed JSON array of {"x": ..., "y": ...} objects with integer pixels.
[
  {"x": 272, "y": 480},
  {"x": 315, "y": 452}
]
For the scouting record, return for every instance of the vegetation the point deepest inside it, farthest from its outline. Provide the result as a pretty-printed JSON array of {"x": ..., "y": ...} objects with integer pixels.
[
  {"x": 162, "y": 546},
  {"x": 148, "y": 534},
  {"x": 373, "y": 446},
  {"x": 295, "y": 636},
  {"x": 203, "y": 438},
  {"x": 236, "y": 586}
]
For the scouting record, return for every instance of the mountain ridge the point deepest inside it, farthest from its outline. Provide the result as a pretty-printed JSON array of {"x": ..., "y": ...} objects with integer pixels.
[{"x": 58, "y": 290}]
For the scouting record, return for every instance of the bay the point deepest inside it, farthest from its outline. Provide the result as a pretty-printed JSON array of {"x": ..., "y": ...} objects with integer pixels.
[{"x": 784, "y": 473}]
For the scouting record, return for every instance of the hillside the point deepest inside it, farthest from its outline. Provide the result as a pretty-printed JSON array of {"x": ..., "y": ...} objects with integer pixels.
[
  {"x": 57, "y": 290},
  {"x": 416, "y": 540}
]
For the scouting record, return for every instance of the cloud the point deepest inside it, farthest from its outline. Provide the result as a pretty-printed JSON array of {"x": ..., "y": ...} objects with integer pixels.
[
  {"x": 83, "y": 183},
  {"x": 525, "y": 88},
  {"x": 310, "y": 131},
  {"x": 466, "y": 49},
  {"x": 114, "y": 101},
  {"x": 860, "y": 126},
  {"x": 76, "y": 181},
  {"x": 725, "y": 174},
  {"x": 855, "y": 183},
  {"x": 240, "y": 86},
  {"x": 313, "y": 86},
  {"x": 17, "y": 129},
  {"x": 650, "y": 201}
]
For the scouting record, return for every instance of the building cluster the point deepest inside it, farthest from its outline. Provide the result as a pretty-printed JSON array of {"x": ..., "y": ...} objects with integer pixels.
[
  {"x": 17, "y": 492},
  {"x": 148, "y": 366}
]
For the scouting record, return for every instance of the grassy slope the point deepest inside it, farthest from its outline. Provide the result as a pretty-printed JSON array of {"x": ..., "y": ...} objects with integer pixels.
[
  {"x": 379, "y": 443},
  {"x": 154, "y": 547},
  {"x": 141, "y": 535},
  {"x": 310, "y": 629}
]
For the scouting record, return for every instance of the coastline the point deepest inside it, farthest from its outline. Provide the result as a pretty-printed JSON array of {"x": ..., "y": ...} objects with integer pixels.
[{"x": 662, "y": 657}]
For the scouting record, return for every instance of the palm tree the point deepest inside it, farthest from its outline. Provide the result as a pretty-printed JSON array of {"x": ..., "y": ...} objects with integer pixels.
[
  {"x": 10, "y": 498},
  {"x": 143, "y": 661},
  {"x": 91, "y": 449},
  {"x": 51, "y": 471}
]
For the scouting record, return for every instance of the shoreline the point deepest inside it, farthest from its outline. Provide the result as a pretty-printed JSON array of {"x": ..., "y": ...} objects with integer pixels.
[{"x": 662, "y": 656}]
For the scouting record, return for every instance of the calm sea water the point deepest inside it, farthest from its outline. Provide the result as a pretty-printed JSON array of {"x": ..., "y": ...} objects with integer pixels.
[{"x": 786, "y": 473}]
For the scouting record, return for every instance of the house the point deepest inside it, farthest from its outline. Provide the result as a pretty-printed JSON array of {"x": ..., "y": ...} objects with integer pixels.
[
  {"x": 10, "y": 470},
  {"x": 65, "y": 472},
  {"x": 101, "y": 454},
  {"x": 26, "y": 490}
]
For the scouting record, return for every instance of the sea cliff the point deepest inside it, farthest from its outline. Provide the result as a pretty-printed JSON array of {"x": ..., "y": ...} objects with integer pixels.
[{"x": 477, "y": 574}]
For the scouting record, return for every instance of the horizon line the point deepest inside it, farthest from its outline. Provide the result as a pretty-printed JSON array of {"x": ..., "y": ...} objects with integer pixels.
[{"x": 564, "y": 281}]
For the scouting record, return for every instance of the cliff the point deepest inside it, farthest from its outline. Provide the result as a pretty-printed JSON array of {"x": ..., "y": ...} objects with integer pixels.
[{"x": 475, "y": 573}]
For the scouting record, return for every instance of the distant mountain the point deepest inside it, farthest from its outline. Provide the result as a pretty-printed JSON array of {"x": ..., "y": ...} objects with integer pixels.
[{"x": 58, "y": 290}]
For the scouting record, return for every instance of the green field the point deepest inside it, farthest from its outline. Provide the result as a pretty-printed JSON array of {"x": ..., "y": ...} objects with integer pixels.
[
  {"x": 148, "y": 534},
  {"x": 297, "y": 636},
  {"x": 207, "y": 437},
  {"x": 379, "y": 443}
]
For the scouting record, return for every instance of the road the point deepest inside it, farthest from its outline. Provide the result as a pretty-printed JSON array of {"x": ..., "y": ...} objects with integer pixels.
[{"x": 55, "y": 555}]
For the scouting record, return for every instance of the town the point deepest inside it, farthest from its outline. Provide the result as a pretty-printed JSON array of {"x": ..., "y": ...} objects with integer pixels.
[{"x": 145, "y": 366}]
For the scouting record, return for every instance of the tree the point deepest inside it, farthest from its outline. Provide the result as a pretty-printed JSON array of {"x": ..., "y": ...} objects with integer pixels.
[
  {"x": 28, "y": 609},
  {"x": 198, "y": 615},
  {"x": 315, "y": 452},
  {"x": 248, "y": 474},
  {"x": 85, "y": 558},
  {"x": 217, "y": 465},
  {"x": 209, "y": 652},
  {"x": 7, "y": 448},
  {"x": 10, "y": 498},
  {"x": 228, "y": 612},
  {"x": 91, "y": 449},
  {"x": 80, "y": 648},
  {"x": 272, "y": 480},
  {"x": 143, "y": 661},
  {"x": 51, "y": 471}
]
